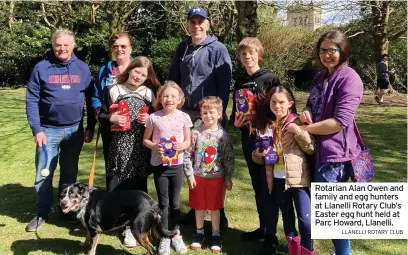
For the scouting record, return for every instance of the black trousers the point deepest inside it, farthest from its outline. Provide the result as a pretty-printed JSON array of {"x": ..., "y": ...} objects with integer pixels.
[
  {"x": 168, "y": 181},
  {"x": 134, "y": 183},
  {"x": 258, "y": 176}
]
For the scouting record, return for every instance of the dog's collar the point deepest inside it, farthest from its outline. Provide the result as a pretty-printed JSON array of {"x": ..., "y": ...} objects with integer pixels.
[{"x": 90, "y": 189}]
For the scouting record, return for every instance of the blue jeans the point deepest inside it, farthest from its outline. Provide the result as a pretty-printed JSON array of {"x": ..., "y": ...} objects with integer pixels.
[
  {"x": 65, "y": 143},
  {"x": 336, "y": 172},
  {"x": 284, "y": 200}
]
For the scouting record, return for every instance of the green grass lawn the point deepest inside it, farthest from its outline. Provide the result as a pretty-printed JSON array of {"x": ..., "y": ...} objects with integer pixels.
[{"x": 384, "y": 129}]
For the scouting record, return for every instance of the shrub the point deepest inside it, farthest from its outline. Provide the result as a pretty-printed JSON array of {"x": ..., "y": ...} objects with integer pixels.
[
  {"x": 161, "y": 56},
  {"x": 288, "y": 48}
]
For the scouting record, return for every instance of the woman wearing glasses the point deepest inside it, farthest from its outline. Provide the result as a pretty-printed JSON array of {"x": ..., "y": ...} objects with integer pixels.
[
  {"x": 120, "y": 46},
  {"x": 334, "y": 98}
]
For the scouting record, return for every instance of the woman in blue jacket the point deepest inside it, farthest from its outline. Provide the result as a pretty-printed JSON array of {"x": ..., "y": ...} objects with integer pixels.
[
  {"x": 120, "y": 44},
  {"x": 202, "y": 67}
]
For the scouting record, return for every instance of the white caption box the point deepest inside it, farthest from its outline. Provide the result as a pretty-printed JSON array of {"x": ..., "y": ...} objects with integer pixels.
[{"x": 359, "y": 210}]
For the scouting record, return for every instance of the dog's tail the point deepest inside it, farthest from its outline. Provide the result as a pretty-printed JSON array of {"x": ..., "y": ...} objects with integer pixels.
[{"x": 160, "y": 230}]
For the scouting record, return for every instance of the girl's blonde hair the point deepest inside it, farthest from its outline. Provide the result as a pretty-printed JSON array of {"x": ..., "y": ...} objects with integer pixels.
[
  {"x": 141, "y": 61},
  {"x": 166, "y": 85}
]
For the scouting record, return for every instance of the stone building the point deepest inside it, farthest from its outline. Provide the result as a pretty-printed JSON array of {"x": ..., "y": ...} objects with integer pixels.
[{"x": 305, "y": 15}]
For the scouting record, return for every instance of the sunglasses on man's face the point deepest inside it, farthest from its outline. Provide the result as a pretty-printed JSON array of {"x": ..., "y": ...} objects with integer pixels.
[
  {"x": 331, "y": 51},
  {"x": 116, "y": 46}
]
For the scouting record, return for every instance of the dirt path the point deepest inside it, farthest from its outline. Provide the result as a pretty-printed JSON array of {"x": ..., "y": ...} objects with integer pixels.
[{"x": 393, "y": 100}]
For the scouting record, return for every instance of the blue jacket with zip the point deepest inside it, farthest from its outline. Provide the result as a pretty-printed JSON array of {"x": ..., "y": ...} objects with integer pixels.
[
  {"x": 56, "y": 93},
  {"x": 100, "y": 95},
  {"x": 100, "y": 92},
  {"x": 202, "y": 70}
]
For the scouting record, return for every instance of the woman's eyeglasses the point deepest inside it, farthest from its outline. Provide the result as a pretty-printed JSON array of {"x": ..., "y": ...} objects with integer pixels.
[
  {"x": 331, "y": 51},
  {"x": 116, "y": 46}
]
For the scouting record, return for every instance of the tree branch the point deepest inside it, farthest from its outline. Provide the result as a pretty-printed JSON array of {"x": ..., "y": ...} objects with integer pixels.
[
  {"x": 355, "y": 34},
  {"x": 11, "y": 13},
  {"x": 45, "y": 16},
  {"x": 398, "y": 34},
  {"x": 94, "y": 7}
]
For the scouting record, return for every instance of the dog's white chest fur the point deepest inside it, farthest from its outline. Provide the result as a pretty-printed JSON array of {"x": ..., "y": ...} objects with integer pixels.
[{"x": 81, "y": 215}]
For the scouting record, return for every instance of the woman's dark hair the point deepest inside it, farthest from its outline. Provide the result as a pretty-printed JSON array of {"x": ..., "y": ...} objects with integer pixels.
[
  {"x": 340, "y": 40},
  {"x": 264, "y": 115}
]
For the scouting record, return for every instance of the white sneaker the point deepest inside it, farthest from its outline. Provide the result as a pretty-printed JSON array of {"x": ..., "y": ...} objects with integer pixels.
[
  {"x": 179, "y": 244},
  {"x": 129, "y": 241},
  {"x": 164, "y": 247}
]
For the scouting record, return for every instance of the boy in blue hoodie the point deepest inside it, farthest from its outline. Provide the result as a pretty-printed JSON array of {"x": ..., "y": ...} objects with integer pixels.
[
  {"x": 54, "y": 105},
  {"x": 202, "y": 67}
]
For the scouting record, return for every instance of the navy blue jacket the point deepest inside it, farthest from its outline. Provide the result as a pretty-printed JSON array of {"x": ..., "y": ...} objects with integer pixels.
[
  {"x": 382, "y": 70},
  {"x": 56, "y": 93},
  {"x": 100, "y": 92},
  {"x": 202, "y": 70}
]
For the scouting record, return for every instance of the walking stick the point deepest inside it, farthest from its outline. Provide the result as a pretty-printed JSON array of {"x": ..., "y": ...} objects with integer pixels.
[{"x": 92, "y": 172}]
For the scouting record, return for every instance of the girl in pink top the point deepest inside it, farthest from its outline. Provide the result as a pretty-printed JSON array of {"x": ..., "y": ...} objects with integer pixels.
[{"x": 168, "y": 134}]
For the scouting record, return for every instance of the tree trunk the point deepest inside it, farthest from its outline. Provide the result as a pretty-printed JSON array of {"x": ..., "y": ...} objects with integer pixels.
[
  {"x": 118, "y": 14},
  {"x": 381, "y": 13},
  {"x": 94, "y": 6},
  {"x": 11, "y": 13},
  {"x": 247, "y": 19},
  {"x": 114, "y": 18}
]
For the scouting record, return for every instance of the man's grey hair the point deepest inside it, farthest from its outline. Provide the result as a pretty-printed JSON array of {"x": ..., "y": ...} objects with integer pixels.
[{"x": 61, "y": 32}]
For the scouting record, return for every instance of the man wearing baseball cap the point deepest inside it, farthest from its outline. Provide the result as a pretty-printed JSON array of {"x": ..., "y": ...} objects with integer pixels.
[
  {"x": 197, "y": 11},
  {"x": 202, "y": 67}
]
